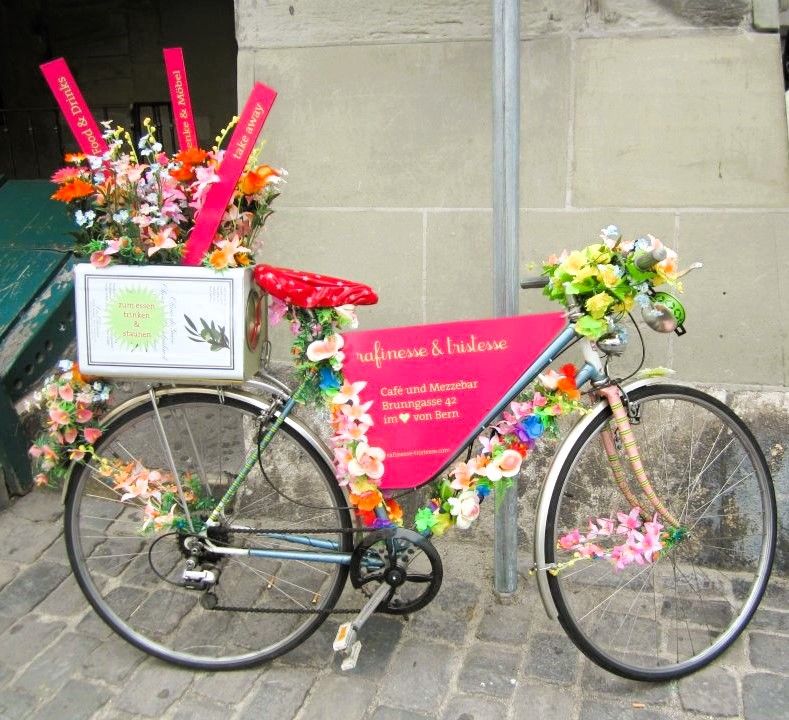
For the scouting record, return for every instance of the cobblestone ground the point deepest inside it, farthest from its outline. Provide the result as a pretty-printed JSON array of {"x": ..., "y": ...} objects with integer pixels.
[{"x": 465, "y": 656}]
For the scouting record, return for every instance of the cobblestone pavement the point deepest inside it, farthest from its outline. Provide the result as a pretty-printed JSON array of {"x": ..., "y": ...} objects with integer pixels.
[{"x": 465, "y": 656}]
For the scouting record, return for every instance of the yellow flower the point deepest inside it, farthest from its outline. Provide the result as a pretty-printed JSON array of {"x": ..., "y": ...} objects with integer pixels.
[
  {"x": 608, "y": 275},
  {"x": 574, "y": 262},
  {"x": 598, "y": 304},
  {"x": 588, "y": 271}
]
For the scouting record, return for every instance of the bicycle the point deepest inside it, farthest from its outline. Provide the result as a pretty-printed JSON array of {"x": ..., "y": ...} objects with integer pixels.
[{"x": 266, "y": 538}]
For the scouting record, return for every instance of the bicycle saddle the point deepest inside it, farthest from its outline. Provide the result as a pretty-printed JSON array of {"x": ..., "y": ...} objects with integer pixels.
[{"x": 309, "y": 290}]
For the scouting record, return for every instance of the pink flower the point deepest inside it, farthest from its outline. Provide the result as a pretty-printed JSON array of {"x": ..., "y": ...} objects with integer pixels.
[
  {"x": 571, "y": 540},
  {"x": 508, "y": 464},
  {"x": 276, "y": 310},
  {"x": 489, "y": 443},
  {"x": 163, "y": 240},
  {"x": 631, "y": 521},
  {"x": 77, "y": 453},
  {"x": 324, "y": 349},
  {"x": 463, "y": 474},
  {"x": 66, "y": 392},
  {"x": 521, "y": 410},
  {"x": 91, "y": 434},
  {"x": 100, "y": 259},
  {"x": 539, "y": 400},
  {"x": 358, "y": 411},
  {"x": 41, "y": 480},
  {"x": 354, "y": 431},
  {"x": 590, "y": 550},
  {"x": 58, "y": 417},
  {"x": 367, "y": 461},
  {"x": 349, "y": 392},
  {"x": 649, "y": 545},
  {"x": 83, "y": 415},
  {"x": 70, "y": 434}
]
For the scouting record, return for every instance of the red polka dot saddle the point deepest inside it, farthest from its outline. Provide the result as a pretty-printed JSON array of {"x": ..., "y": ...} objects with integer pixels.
[{"x": 309, "y": 290}]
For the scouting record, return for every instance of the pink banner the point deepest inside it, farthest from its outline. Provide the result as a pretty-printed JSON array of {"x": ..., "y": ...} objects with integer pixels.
[
  {"x": 246, "y": 132},
  {"x": 179, "y": 97},
  {"x": 78, "y": 116},
  {"x": 432, "y": 385}
]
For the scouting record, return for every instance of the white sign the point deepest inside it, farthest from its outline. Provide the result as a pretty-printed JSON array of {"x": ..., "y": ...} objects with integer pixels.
[{"x": 168, "y": 322}]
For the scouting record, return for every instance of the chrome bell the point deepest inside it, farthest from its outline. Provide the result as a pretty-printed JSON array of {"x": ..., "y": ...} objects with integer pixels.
[
  {"x": 659, "y": 317},
  {"x": 614, "y": 342}
]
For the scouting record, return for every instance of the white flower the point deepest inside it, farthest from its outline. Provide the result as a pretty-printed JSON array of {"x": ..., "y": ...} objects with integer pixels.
[{"x": 464, "y": 507}]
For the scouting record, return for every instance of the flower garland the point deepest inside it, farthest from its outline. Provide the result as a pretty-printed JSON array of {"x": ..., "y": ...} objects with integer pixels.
[
  {"x": 137, "y": 205},
  {"x": 533, "y": 415},
  {"x": 71, "y": 406},
  {"x": 643, "y": 540},
  {"x": 604, "y": 279}
]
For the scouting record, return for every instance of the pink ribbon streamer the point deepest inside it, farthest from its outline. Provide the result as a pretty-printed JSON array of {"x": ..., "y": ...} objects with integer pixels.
[
  {"x": 74, "y": 108},
  {"x": 246, "y": 132},
  {"x": 179, "y": 97}
]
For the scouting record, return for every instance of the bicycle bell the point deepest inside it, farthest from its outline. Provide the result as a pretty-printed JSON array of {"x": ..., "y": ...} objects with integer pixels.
[
  {"x": 664, "y": 313},
  {"x": 614, "y": 341}
]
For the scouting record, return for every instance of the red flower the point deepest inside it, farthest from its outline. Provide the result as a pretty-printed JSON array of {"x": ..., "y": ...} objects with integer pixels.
[{"x": 568, "y": 370}]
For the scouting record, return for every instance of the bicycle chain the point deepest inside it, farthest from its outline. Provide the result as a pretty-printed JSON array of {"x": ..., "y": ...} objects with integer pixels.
[{"x": 295, "y": 611}]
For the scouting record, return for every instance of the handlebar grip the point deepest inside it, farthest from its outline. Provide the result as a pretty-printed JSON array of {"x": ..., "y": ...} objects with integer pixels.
[
  {"x": 534, "y": 282},
  {"x": 647, "y": 260}
]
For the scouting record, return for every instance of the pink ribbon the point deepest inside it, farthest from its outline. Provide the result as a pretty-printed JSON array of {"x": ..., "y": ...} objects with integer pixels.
[
  {"x": 179, "y": 97},
  {"x": 246, "y": 132},
  {"x": 74, "y": 108}
]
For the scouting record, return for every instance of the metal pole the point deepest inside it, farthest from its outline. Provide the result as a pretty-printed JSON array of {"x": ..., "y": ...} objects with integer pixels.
[{"x": 506, "y": 257}]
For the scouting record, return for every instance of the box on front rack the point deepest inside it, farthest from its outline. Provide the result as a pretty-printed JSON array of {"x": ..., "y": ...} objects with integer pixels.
[{"x": 169, "y": 322}]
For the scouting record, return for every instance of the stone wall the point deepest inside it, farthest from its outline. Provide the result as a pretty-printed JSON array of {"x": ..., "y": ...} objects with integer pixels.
[{"x": 662, "y": 116}]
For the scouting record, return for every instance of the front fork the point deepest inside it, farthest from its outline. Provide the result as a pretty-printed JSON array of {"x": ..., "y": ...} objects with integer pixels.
[{"x": 613, "y": 395}]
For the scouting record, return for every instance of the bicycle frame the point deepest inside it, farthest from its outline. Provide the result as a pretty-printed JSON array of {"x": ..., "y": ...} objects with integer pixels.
[{"x": 282, "y": 404}]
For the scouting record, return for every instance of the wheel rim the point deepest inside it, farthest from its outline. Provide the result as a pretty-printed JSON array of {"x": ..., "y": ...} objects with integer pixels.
[
  {"x": 671, "y": 616},
  {"x": 128, "y": 577}
]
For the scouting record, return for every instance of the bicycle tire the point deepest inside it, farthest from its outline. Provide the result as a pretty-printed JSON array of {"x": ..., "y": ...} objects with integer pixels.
[
  {"x": 131, "y": 590},
  {"x": 696, "y": 597}
]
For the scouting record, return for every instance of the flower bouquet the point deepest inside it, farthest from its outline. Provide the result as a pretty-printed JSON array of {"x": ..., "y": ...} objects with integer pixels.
[{"x": 135, "y": 205}]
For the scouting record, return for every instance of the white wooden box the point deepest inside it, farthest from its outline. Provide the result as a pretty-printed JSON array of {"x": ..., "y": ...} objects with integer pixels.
[{"x": 169, "y": 322}]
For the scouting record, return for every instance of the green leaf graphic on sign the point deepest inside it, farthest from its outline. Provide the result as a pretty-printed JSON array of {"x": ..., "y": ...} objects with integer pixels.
[{"x": 136, "y": 318}]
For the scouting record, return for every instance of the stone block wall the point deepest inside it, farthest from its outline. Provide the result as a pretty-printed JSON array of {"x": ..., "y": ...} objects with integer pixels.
[{"x": 662, "y": 116}]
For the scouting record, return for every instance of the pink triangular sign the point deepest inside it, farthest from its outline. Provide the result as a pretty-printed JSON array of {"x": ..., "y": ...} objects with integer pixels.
[{"x": 432, "y": 385}]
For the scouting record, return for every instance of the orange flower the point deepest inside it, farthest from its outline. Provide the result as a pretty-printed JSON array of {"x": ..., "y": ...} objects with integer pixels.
[
  {"x": 366, "y": 501},
  {"x": 394, "y": 510},
  {"x": 184, "y": 173},
  {"x": 192, "y": 156},
  {"x": 72, "y": 190},
  {"x": 74, "y": 157},
  {"x": 242, "y": 259},
  {"x": 567, "y": 386},
  {"x": 255, "y": 180}
]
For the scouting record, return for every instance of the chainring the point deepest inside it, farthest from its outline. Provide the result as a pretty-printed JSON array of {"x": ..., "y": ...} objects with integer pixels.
[{"x": 405, "y": 560}]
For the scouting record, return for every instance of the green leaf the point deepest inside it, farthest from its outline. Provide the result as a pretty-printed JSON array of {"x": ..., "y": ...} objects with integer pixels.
[{"x": 589, "y": 327}]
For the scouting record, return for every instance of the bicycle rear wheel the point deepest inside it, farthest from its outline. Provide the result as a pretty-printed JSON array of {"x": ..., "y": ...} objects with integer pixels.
[
  {"x": 669, "y": 617},
  {"x": 133, "y": 578}
]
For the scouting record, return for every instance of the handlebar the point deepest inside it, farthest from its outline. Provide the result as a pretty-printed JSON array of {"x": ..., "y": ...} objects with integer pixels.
[
  {"x": 534, "y": 283},
  {"x": 649, "y": 258}
]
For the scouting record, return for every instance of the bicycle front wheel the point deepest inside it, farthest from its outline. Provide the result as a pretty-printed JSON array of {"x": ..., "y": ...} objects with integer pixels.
[
  {"x": 259, "y": 607},
  {"x": 669, "y": 617}
]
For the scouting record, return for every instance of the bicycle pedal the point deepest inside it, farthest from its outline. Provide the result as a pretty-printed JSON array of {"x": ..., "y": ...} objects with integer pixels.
[
  {"x": 349, "y": 663},
  {"x": 346, "y": 635}
]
